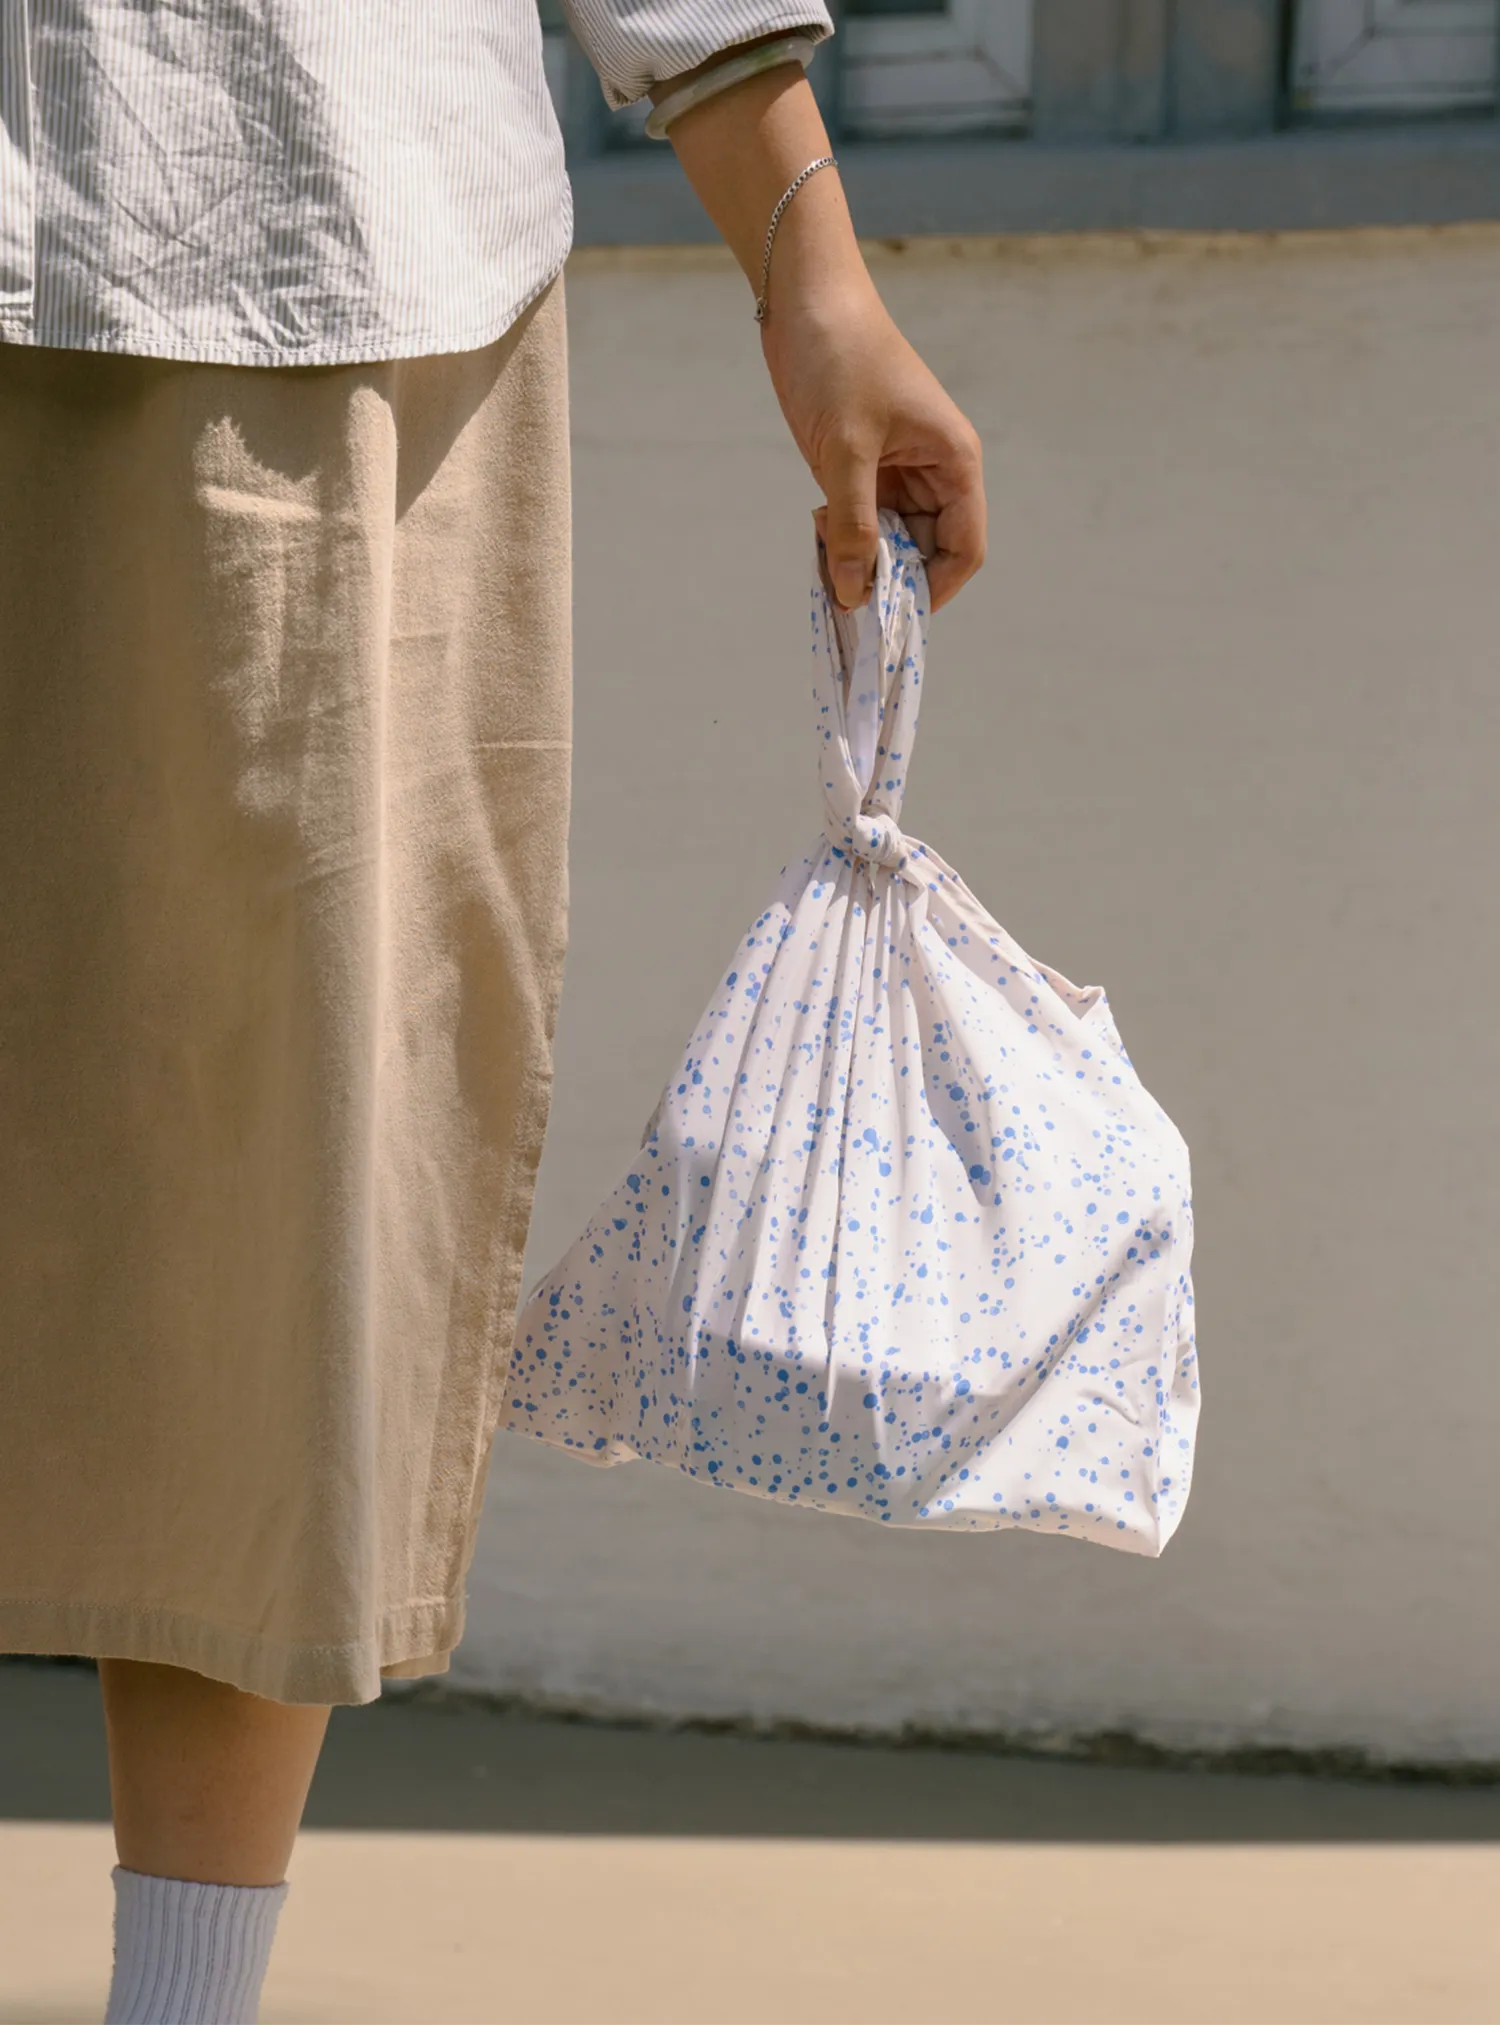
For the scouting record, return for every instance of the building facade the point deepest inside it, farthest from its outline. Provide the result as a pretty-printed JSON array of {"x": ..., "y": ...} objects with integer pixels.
[{"x": 995, "y": 115}]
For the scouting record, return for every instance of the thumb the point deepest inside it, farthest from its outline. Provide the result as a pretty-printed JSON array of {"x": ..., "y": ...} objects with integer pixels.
[{"x": 850, "y": 526}]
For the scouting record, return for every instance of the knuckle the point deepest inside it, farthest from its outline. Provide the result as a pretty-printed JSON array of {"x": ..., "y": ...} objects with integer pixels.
[
  {"x": 839, "y": 441},
  {"x": 855, "y": 537}
]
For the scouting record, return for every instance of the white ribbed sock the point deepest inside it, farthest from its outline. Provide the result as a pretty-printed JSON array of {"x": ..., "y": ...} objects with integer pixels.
[{"x": 188, "y": 1953}]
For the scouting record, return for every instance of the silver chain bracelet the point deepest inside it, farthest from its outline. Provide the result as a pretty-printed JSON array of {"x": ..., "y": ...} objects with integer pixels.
[{"x": 823, "y": 162}]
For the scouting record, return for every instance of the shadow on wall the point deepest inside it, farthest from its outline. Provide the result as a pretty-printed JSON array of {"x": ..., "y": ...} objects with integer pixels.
[{"x": 459, "y": 1766}]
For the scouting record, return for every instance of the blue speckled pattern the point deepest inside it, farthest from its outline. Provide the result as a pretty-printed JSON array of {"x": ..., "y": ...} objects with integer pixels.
[{"x": 905, "y": 1237}]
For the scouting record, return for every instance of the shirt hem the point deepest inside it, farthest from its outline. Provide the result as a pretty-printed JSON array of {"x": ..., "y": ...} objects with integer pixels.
[{"x": 246, "y": 352}]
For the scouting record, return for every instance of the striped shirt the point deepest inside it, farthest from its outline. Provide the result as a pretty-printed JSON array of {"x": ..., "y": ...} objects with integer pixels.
[{"x": 304, "y": 182}]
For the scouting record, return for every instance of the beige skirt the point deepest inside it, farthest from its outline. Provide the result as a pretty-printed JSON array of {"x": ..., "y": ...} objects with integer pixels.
[{"x": 285, "y": 760}]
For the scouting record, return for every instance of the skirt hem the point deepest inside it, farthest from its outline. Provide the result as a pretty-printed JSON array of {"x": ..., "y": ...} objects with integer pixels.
[{"x": 415, "y": 1640}]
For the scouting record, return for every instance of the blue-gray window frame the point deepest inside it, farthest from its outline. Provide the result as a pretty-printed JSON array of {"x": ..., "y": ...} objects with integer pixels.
[{"x": 1146, "y": 114}]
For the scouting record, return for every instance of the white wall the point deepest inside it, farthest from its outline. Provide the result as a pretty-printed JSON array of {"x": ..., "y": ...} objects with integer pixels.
[{"x": 1216, "y": 727}]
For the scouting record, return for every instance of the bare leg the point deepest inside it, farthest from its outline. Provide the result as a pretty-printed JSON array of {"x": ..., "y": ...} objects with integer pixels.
[{"x": 208, "y": 1782}]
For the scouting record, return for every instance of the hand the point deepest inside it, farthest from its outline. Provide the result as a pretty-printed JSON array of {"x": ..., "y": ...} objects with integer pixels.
[
  {"x": 877, "y": 429},
  {"x": 871, "y": 420}
]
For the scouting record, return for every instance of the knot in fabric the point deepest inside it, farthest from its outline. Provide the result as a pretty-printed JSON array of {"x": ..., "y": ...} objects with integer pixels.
[{"x": 872, "y": 834}]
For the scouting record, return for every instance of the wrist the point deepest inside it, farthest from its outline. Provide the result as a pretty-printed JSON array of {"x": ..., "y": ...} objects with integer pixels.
[
  {"x": 815, "y": 260},
  {"x": 819, "y": 302},
  {"x": 817, "y": 279}
]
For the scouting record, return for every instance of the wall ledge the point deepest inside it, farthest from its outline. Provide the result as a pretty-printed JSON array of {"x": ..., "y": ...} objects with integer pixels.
[
  {"x": 1444, "y": 173},
  {"x": 1119, "y": 1748}
]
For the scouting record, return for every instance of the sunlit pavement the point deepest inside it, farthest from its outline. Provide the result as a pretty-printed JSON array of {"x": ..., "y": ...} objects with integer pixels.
[{"x": 464, "y": 1864}]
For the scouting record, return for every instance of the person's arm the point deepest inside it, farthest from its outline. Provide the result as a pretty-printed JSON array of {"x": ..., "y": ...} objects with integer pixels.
[{"x": 872, "y": 421}]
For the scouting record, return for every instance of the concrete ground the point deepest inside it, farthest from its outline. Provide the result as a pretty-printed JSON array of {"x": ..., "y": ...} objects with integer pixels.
[{"x": 467, "y": 1865}]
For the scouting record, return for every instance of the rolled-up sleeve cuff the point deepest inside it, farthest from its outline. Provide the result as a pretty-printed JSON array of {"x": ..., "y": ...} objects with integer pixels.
[{"x": 635, "y": 44}]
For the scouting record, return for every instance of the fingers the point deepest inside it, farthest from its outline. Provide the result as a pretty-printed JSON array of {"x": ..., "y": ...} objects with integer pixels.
[
  {"x": 960, "y": 535},
  {"x": 922, "y": 527},
  {"x": 850, "y": 528},
  {"x": 951, "y": 540}
]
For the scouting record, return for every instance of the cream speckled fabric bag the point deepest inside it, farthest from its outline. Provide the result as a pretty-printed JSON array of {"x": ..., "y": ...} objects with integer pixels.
[{"x": 905, "y": 1237}]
